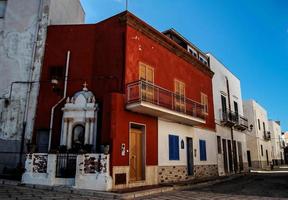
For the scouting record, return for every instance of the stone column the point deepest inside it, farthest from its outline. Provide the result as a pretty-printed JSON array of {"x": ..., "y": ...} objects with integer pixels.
[
  {"x": 86, "y": 139},
  {"x": 69, "y": 139},
  {"x": 91, "y": 131},
  {"x": 64, "y": 133}
]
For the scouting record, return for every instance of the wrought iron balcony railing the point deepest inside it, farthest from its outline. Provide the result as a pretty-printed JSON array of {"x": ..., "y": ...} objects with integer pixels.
[
  {"x": 230, "y": 118},
  {"x": 143, "y": 91}
]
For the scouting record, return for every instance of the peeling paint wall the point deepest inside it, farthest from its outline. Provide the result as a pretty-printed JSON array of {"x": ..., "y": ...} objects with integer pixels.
[{"x": 22, "y": 42}]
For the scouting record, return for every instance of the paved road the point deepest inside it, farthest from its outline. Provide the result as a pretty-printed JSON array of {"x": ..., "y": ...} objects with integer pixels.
[
  {"x": 254, "y": 186},
  {"x": 24, "y": 193}
]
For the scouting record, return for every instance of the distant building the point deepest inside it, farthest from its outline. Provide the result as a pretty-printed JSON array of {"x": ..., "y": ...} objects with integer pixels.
[
  {"x": 259, "y": 139},
  {"x": 23, "y": 25},
  {"x": 231, "y": 125},
  {"x": 276, "y": 142}
]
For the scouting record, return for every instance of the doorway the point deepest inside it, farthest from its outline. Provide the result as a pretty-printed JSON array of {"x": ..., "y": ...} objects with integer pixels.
[
  {"x": 137, "y": 153},
  {"x": 42, "y": 141},
  {"x": 267, "y": 157},
  {"x": 225, "y": 156},
  {"x": 249, "y": 159},
  {"x": 190, "y": 161}
]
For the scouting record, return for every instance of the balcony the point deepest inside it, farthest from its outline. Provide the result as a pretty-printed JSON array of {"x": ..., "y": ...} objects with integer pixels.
[
  {"x": 150, "y": 99},
  {"x": 228, "y": 118},
  {"x": 241, "y": 123},
  {"x": 267, "y": 136}
]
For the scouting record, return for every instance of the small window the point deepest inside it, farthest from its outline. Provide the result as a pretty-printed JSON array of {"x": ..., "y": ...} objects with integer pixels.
[
  {"x": 3, "y": 5},
  {"x": 204, "y": 102},
  {"x": 219, "y": 144},
  {"x": 262, "y": 150},
  {"x": 259, "y": 125},
  {"x": 264, "y": 127},
  {"x": 173, "y": 147},
  {"x": 202, "y": 144}
]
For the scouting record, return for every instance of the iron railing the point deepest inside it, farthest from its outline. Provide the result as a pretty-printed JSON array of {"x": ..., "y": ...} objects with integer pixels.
[
  {"x": 143, "y": 91},
  {"x": 66, "y": 165},
  {"x": 243, "y": 122},
  {"x": 231, "y": 118}
]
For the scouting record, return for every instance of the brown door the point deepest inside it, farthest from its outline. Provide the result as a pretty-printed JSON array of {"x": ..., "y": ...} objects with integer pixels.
[{"x": 136, "y": 157}]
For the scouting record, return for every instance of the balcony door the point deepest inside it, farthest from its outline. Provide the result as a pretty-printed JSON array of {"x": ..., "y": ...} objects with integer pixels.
[
  {"x": 179, "y": 96},
  {"x": 146, "y": 74}
]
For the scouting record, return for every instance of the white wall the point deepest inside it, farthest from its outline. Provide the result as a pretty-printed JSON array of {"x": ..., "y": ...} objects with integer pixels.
[
  {"x": 254, "y": 111},
  {"x": 275, "y": 130},
  {"x": 220, "y": 88},
  {"x": 165, "y": 128},
  {"x": 22, "y": 42}
]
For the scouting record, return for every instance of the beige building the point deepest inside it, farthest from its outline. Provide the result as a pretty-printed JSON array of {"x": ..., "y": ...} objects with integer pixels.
[
  {"x": 259, "y": 149},
  {"x": 276, "y": 142},
  {"x": 23, "y": 26}
]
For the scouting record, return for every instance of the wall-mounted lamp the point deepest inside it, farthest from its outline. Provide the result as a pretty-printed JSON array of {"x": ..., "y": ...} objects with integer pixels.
[{"x": 250, "y": 129}]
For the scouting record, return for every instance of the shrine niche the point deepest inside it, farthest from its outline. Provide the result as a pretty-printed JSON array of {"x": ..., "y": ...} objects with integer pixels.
[{"x": 79, "y": 125}]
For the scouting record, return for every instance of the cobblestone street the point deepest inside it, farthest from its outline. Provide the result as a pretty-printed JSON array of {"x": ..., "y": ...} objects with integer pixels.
[{"x": 253, "y": 186}]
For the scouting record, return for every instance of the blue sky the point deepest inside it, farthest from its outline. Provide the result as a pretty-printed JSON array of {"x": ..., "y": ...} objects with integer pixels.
[{"x": 249, "y": 36}]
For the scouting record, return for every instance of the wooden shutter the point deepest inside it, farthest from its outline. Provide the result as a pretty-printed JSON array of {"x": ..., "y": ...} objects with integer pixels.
[
  {"x": 173, "y": 147},
  {"x": 180, "y": 96},
  {"x": 142, "y": 71},
  {"x": 202, "y": 145},
  {"x": 204, "y": 102}
]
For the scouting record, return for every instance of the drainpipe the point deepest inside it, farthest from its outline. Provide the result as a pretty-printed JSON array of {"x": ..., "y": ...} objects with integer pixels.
[
  {"x": 231, "y": 129},
  {"x": 29, "y": 86},
  {"x": 61, "y": 100}
]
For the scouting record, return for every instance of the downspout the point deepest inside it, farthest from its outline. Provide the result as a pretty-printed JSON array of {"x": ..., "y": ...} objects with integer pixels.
[
  {"x": 231, "y": 129},
  {"x": 63, "y": 98},
  {"x": 27, "y": 102}
]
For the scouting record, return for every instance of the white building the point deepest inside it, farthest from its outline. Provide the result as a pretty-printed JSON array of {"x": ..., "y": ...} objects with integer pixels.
[
  {"x": 23, "y": 26},
  {"x": 259, "y": 149},
  {"x": 229, "y": 119},
  {"x": 277, "y": 146}
]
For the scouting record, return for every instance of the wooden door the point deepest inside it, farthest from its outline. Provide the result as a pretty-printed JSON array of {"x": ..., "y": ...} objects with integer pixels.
[
  {"x": 180, "y": 96},
  {"x": 146, "y": 73},
  {"x": 136, "y": 156}
]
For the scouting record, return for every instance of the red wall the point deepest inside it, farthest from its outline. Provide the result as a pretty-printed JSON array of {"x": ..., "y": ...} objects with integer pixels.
[
  {"x": 99, "y": 54},
  {"x": 167, "y": 67}
]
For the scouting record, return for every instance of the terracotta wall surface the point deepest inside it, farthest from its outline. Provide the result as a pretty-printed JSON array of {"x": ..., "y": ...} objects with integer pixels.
[
  {"x": 107, "y": 55},
  {"x": 167, "y": 67}
]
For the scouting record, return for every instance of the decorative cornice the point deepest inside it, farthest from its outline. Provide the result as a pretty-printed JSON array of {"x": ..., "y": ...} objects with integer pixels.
[{"x": 160, "y": 38}]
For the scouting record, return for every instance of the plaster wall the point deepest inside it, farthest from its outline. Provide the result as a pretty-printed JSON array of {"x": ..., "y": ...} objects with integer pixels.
[
  {"x": 183, "y": 131},
  {"x": 255, "y": 138},
  {"x": 275, "y": 130},
  {"x": 22, "y": 41}
]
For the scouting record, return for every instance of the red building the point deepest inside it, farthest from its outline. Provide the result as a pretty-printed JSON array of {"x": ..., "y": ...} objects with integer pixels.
[{"x": 138, "y": 76}]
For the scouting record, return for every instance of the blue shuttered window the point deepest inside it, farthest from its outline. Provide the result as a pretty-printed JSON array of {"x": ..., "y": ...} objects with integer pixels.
[
  {"x": 173, "y": 147},
  {"x": 202, "y": 145}
]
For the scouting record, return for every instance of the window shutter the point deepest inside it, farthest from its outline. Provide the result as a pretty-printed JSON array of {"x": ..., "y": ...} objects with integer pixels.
[
  {"x": 142, "y": 72},
  {"x": 202, "y": 144},
  {"x": 173, "y": 147},
  {"x": 150, "y": 74}
]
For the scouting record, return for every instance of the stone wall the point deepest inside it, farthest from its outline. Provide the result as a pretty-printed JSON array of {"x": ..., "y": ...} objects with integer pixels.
[
  {"x": 168, "y": 174},
  {"x": 203, "y": 171}
]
